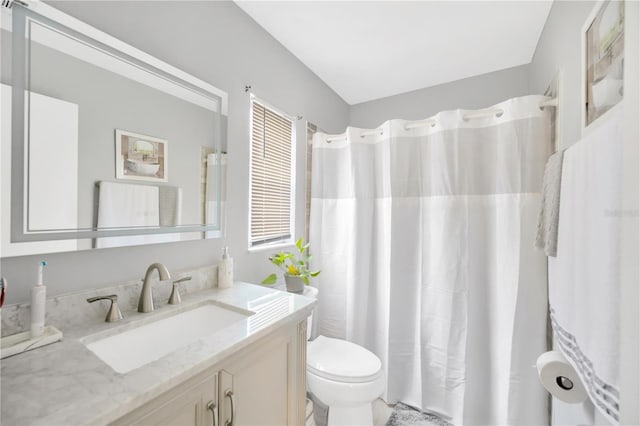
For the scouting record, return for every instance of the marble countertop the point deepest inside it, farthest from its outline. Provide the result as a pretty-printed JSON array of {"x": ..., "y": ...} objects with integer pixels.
[{"x": 65, "y": 383}]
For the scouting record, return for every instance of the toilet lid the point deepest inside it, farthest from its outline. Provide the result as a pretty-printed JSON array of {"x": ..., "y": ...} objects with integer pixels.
[{"x": 342, "y": 361}]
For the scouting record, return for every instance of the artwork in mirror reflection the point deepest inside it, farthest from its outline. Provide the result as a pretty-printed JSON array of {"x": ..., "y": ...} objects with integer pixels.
[
  {"x": 141, "y": 157},
  {"x": 78, "y": 97}
]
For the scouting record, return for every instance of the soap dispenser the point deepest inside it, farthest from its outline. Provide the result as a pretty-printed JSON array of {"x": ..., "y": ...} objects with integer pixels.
[
  {"x": 225, "y": 270},
  {"x": 38, "y": 300}
]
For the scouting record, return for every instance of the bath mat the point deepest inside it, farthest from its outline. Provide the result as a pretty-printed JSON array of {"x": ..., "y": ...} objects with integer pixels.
[{"x": 403, "y": 415}]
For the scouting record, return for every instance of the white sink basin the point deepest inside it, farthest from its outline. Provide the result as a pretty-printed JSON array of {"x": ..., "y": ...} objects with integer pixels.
[{"x": 136, "y": 347}]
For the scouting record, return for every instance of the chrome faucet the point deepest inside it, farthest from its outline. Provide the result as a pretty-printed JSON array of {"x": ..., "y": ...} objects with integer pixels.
[{"x": 145, "y": 303}]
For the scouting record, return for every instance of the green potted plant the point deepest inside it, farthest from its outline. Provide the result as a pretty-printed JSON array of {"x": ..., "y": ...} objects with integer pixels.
[{"x": 295, "y": 267}]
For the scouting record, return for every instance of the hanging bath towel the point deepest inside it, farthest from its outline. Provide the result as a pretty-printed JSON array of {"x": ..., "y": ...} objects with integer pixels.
[{"x": 584, "y": 277}]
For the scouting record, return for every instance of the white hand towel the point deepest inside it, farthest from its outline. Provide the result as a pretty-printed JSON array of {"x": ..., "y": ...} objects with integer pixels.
[
  {"x": 126, "y": 205},
  {"x": 584, "y": 277},
  {"x": 547, "y": 236}
]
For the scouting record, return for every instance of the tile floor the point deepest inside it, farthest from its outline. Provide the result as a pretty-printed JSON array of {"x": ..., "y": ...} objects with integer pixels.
[{"x": 381, "y": 413}]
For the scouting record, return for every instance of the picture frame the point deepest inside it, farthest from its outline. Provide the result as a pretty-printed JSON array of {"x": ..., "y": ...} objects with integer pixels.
[
  {"x": 141, "y": 157},
  {"x": 602, "y": 61}
]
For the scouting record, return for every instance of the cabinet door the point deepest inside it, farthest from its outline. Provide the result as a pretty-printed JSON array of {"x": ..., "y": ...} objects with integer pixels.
[
  {"x": 258, "y": 380},
  {"x": 183, "y": 406}
]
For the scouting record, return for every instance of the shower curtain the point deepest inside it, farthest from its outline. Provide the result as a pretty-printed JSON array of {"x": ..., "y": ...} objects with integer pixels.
[{"x": 425, "y": 238}]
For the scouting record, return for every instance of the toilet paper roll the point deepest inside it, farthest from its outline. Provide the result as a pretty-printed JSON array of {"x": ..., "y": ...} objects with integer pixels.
[{"x": 560, "y": 378}]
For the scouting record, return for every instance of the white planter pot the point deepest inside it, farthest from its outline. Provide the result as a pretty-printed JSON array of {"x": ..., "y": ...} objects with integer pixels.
[{"x": 294, "y": 284}]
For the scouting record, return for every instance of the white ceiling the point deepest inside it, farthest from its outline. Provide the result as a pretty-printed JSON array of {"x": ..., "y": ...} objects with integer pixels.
[{"x": 366, "y": 50}]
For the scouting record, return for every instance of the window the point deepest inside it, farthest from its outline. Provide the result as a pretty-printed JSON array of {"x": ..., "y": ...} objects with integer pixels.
[{"x": 272, "y": 176}]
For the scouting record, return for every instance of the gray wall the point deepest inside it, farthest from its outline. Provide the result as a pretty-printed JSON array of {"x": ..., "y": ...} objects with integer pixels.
[
  {"x": 220, "y": 44},
  {"x": 560, "y": 48},
  {"x": 470, "y": 93}
]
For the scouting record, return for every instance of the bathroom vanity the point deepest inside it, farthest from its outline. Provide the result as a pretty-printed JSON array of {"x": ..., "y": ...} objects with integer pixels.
[
  {"x": 248, "y": 370},
  {"x": 249, "y": 387}
]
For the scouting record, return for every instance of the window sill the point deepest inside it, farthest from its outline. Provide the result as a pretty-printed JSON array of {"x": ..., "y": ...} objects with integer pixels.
[{"x": 270, "y": 247}]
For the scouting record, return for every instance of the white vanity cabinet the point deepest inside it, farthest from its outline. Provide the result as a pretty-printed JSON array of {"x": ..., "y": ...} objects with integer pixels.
[
  {"x": 262, "y": 384},
  {"x": 192, "y": 403},
  {"x": 256, "y": 383}
]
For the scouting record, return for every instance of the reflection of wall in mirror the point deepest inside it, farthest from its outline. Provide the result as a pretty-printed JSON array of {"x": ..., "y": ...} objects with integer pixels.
[
  {"x": 108, "y": 100},
  {"x": 111, "y": 101},
  {"x": 53, "y": 182}
]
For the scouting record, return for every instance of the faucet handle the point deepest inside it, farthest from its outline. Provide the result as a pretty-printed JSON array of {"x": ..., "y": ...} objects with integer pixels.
[
  {"x": 114, "y": 313},
  {"x": 175, "y": 299}
]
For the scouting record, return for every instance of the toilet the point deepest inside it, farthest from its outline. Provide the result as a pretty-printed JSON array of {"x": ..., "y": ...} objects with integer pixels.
[{"x": 344, "y": 376}]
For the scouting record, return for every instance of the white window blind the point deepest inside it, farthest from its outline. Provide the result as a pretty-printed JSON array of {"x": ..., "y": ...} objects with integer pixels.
[{"x": 271, "y": 176}]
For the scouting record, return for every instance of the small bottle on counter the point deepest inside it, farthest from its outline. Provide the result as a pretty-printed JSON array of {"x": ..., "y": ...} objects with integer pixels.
[
  {"x": 225, "y": 270},
  {"x": 38, "y": 300}
]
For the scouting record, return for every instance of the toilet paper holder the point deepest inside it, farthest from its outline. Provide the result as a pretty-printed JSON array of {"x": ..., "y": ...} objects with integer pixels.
[
  {"x": 559, "y": 378},
  {"x": 564, "y": 382}
]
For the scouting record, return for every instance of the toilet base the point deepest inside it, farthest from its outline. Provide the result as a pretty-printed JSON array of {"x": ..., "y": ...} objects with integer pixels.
[{"x": 361, "y": 415}]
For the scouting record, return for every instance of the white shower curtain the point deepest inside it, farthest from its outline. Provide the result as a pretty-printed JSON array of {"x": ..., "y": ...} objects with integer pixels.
[{"x": 425, "y": 238}]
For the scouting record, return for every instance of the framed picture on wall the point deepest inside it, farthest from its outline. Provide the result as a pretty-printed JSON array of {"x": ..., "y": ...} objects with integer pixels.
[
  {"x": 603, "y": 60},
  {"x": 141, "y": 157}
]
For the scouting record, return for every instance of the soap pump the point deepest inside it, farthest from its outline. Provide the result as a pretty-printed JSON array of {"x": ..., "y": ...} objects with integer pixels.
[
  {"x": 38, "y": 300},
  {"x": 225, "y": 270}
]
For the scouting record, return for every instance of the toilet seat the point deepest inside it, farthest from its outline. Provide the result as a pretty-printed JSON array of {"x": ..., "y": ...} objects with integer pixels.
[{"x": 342, "y": 361}]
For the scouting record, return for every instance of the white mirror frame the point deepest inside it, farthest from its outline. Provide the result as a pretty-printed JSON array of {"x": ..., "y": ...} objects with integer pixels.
[{"x": 111, "y": 45}]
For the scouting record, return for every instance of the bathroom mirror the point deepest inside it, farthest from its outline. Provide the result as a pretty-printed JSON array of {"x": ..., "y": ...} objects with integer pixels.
[{"x": 109, "y": 146}]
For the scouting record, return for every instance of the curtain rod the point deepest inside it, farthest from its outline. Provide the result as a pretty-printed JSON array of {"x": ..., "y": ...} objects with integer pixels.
[
  {"x": 553, "y": 102},
  {"x": 366, "y": 133},
  {"x": 478, "y": 114},
  {"x": 432, "y": 121}
]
